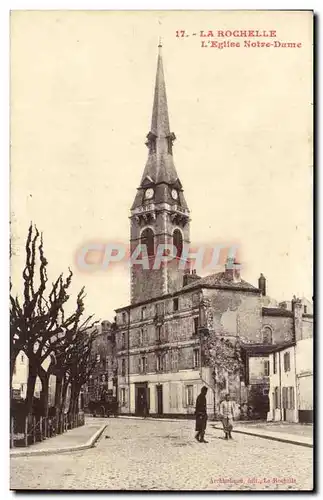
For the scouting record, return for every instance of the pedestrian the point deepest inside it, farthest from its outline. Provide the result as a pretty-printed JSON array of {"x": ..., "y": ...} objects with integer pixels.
[
  {"x": 227, "y": 415},
  {"x": 201, "y": 416}
]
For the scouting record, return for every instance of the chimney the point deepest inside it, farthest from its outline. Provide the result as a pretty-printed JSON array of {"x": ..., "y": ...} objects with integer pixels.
[
  {"x": 186, "y": 275},
  {"x": 262, "y": 284},
  {"x": 297, "y": 309},
  {"x": 232, "y": 269}
]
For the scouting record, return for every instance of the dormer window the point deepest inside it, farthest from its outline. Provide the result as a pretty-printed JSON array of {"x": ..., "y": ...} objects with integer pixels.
[
  {"x": 170, "y": 139},
  {"x": 151, "y": 142},
  {"x": 178, "y": 242}
]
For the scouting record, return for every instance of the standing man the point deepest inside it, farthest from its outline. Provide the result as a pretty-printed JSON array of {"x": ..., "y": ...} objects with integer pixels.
[
  {"x": 201, "y": 416},
  {"x": 227, "y": 415}
]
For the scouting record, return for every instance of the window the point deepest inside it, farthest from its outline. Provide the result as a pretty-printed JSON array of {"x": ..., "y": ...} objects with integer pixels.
[
  {"x": 189, "y": 395},
  {"x": 123, "y": 396},
  {"x": 196, "y": 358},
  {"x": 148, "y": 239},
  {"x": 158, "y": 333},
  {"x": 291, "y": 398},
  {"x": 276, "y": 398},
  {"x": 159, "y": 363},
  {"x": 267, "y": 335},
  {"x": 284, "y": 398},
  {"x": 143, "y": 365},
  {"x": 178, "y": 242},
  {"x": 124, "y": 317},
  {"x": 195, "y": 299},
  {"x": 174, "y": 360},
  {"x": 166, "y": 362},
  {"x": 305, "y": 309},
  {"x": 123, "y": 340},
  {"x": 175, "y": 305},
  {"x": 288, "y": 398},
  {"x": 196, "y": 325},
  {"x": 141, "y": 336},
  {"x": 275, "y": 362},
  {"x": 22, "y": 358},
  {"x": 143, "y": 312},
  {"x": 286, "y": 362},
  {"x": 266, "y": 369},
  {"x": 160, "y": 309},
  {"x": 123, "y": 367}
]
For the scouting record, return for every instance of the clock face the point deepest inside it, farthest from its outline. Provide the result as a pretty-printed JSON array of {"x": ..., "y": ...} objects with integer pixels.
[
  {"x": 174, "y": 194},
  {"x": 149, "y": 193}
]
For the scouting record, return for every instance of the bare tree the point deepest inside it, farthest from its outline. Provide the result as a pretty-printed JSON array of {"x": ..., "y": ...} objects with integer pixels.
[{"x": 38, "y": 324}]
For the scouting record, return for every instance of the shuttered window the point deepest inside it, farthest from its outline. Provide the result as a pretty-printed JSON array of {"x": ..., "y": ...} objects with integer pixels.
[
  {"x": 287, "y": 362},
  {"x": 189, "y": 395},
  {"x": 292, "y": 398},
  {"x": 276, "y": 397},
  {"x": 285, "y": 400}
]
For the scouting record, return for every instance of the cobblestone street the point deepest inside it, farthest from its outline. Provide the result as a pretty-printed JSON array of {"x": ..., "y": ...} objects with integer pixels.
[{"x": 160, "y": 455}]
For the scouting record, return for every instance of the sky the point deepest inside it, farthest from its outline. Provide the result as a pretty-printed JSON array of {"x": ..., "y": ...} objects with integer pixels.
[{"x": 81, "y": 100}]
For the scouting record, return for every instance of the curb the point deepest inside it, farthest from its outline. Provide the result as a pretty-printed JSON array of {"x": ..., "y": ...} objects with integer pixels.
[
  {"x": 266, "y": 436},
  {"x": 153, "y": 419},
  {"x": 49, "y": 451}
]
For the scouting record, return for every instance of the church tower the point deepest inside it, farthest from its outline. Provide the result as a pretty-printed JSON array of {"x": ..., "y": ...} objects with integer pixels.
[{"x": 159, "y": 214}]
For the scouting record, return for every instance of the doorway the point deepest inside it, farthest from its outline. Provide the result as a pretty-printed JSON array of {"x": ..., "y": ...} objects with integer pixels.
[
  {"x": 159, "y": 391},
  {"x": 141, "y": 399}
]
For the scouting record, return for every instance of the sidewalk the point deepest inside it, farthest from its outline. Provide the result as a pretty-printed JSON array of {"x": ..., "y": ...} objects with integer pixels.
[
  {"x": 299, "y": 434},
  {"x": 80, "y": 438}
]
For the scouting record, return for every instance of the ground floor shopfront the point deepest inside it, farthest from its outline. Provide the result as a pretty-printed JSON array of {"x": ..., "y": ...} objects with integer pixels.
[{"x": 164, "y": 394}]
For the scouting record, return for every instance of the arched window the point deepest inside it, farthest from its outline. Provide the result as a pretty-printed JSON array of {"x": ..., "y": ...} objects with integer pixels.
[
  {"x": 267, "y": 336},
  {"x": 147, "y": 238},
  {"x": 178, "y": 242}
]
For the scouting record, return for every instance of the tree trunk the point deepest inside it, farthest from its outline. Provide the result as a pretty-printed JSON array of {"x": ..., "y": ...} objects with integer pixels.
[
  {"x": 32, "y": 376},
  {"x": 13, "y": 356},
  {"x": 58, "y": 391},
  {"x": 58, "y": 403},
  {"x": 44, "y": 378},
  {"x": 63, "y": 401},
  {"x": 64, "y": 394},
  {"x": 73, "y": 408}
]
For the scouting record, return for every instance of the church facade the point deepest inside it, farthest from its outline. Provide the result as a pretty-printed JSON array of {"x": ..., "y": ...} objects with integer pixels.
[{"x": 161, "y": 334}]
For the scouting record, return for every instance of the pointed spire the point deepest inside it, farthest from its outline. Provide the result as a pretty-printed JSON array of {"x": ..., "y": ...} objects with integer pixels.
[
  {"x": 160, "y": 119},
  {"x": 160, "y": 169}
]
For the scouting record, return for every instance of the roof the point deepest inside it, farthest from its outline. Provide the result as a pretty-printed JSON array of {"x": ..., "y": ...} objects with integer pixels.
[
  {"x": 276, "y": 311},
  {"x": 219, "y": 281},
  {"x": 257, "y": 348},
  {"x": 222, "y": 280},
  {"x": 254, "y": 349}
]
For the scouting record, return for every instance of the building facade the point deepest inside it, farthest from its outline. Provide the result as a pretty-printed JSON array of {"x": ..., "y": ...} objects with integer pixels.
[
  {"x": 104, "y": 375},
  {"x": 291, "y": 371},
  {"x": 161, "y": 334}
]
